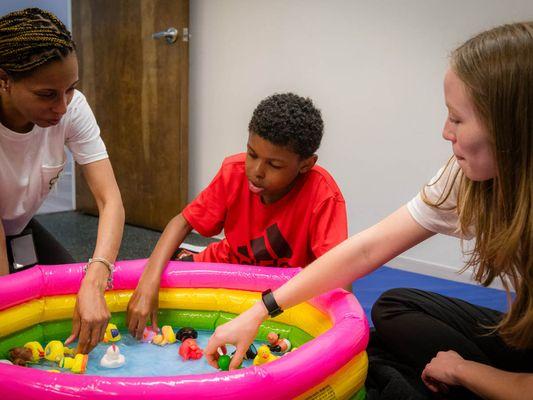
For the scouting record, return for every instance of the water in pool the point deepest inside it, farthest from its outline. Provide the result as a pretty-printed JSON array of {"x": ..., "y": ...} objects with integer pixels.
[{"x": 146, "y": 359}]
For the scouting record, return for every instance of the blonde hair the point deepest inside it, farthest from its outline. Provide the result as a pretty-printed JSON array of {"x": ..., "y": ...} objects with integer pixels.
[{"x": 496, "y": 66}]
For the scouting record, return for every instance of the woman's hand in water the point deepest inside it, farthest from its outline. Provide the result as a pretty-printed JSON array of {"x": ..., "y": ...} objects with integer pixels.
[
  {"x": 239, "y": 332},
  {"x": 91, "y": 314}
]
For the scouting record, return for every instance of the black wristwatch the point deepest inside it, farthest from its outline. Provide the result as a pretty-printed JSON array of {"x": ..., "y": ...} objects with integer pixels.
[{"x": 270, "y": 303}]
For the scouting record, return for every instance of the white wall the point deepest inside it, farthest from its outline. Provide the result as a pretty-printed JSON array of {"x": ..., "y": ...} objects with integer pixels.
[{"x": 374, "y": 68}]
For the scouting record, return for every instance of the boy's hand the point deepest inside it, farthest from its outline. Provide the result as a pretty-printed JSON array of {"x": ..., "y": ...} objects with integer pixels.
[
  {"x": 240, "y": 332},
  {"x": 143, "y": 305}
]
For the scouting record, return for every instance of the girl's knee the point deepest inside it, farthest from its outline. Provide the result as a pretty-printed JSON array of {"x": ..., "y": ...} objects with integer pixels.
[{"x": 391, "y": 302}]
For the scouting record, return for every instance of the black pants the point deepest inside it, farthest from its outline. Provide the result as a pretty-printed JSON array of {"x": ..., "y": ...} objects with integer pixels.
[
  {"x": 413, "y": 325},
  {"x": 49, "y": 251}
]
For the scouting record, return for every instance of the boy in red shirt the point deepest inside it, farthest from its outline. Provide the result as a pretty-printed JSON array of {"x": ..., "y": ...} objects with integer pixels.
[{"x": 276, "y": 206}]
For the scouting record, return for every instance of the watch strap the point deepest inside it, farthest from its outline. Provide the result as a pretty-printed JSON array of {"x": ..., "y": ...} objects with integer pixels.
[{"x": 270, "y": 303}]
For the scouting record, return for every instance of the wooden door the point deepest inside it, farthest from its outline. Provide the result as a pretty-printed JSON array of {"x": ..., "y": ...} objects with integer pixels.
[{"x": 137, "y": 87}]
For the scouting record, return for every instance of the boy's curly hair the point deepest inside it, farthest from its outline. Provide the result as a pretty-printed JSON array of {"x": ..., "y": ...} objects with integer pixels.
[{"x": 289, "y": 120}]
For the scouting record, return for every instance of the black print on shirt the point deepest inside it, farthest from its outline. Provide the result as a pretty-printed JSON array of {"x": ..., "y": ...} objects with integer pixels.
[{"x": 277, "y": 255}]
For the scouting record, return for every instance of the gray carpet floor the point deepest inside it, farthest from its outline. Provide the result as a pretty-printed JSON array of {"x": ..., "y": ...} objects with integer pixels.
[{"x": 77, "y": 233}]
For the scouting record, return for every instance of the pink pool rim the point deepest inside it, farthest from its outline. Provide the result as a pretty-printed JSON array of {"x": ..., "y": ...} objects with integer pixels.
[{"x": 288, "y": 377}]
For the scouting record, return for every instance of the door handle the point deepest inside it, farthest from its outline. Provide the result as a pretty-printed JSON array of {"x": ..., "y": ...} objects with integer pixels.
[{"x": 171, "y": 35}]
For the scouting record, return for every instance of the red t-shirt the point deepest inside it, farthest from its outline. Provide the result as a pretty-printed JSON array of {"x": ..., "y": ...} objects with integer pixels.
[{"x": 291, "y": 232}]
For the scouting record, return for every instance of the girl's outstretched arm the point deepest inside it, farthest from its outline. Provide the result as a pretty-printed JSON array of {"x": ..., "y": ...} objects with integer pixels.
[{"x": 352, "y": 259}]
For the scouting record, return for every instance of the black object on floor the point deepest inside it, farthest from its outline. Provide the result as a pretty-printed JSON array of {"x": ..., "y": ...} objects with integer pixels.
[{"x": 77, "y": 233}]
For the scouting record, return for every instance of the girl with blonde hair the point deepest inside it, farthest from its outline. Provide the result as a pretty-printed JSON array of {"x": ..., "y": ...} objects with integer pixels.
[{"x": 484, "y": 192}]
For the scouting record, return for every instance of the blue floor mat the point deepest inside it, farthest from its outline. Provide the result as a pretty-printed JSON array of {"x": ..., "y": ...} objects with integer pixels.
[{"x": 369, "y": 288}]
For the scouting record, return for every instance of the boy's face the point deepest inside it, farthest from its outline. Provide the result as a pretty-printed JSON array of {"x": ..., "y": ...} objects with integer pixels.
[{"x": 271, "y": 169}]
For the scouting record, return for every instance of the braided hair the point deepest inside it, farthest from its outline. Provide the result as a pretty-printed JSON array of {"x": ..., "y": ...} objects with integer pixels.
[{"x": 30, "y": 38}]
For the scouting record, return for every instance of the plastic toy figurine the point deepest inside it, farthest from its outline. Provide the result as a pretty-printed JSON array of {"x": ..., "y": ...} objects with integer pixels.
[
  {"x": 223, "y": 362},
  {"x": 189, "y": 349},
  {"x": 148, "y": 335},
  {"x": 186, "y": 333},
  {"x": 278, "y": 344},
  {"x": 55, "y": 351},
  {"x": 264, "y": 355},
  {"x": 78, "y": 364},
  {"x": 112, "y": 333},
  {"x": 112, "y": 358},
  {"x": 166, "y": 336},
  {"x": 251, "y": 353},
  {"x": 36, "y": 350},
  {"x": 20, "y": 356}
]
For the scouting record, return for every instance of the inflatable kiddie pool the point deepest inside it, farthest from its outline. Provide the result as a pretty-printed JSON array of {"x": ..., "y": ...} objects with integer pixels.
[{"x": 330, "y": 331}]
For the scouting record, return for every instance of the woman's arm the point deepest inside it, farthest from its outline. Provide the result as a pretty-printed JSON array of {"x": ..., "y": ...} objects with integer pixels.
[
  {"x": 4, "y": 265},
  {"x": 91, "y": 313},
  {"x": 144, "y": 301},
  {"x": 355, "y": 257},
  {"x": 449, "y": 369}
]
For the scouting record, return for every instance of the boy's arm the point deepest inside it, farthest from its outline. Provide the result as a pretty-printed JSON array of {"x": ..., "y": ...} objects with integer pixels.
[
  {"x": 4, "y": 265},
  {"x": 143, "y": 304}
]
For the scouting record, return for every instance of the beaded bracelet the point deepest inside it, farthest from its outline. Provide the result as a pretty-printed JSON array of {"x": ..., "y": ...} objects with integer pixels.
[{"x": 110, "y": 267}]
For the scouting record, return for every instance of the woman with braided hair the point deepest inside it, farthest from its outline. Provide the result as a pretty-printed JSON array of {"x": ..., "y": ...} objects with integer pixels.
[{"x": 40, "y": 113}]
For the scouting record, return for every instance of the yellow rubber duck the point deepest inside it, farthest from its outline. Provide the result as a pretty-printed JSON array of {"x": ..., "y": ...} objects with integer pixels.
[
  {"x": 264, "y": 355},
  {"x": 55, "y": 351},
  {"x": 112, "y": 333},
  {"x": 36, "y": 350},
  {"x": 167, "y": 336},
  {"x": 78, "y": 364}
]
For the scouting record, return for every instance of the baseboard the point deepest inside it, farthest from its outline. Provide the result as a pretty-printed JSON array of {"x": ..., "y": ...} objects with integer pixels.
[{"x": 437, "y": 270}]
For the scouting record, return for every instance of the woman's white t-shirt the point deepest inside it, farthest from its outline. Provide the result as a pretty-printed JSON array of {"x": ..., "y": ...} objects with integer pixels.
[
  {"x": 443, "y": 219},
  {"x": 30, "y": 163}
]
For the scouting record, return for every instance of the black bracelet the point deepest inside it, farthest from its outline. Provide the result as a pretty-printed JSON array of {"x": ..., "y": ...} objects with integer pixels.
[{"x": 270, "y": 303}]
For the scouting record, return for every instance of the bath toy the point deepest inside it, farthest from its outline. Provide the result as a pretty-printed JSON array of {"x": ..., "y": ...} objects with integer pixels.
[
  {"x": 112, "y": 358},
  {"x": 264, "y": 355},
  {"x": 112, "y": 333},
  {"x": 189, "y": 349},
  {"x": 78, "y": 364},
  {"x": 278, "y": 344},
  {"x": 20, "y": 356},
  {"x": 186, "y": 333},
  {"x": 148, "y": 335},
  {"x": 166, "y": 336},
  {"x": 36, "y": 350},
  {"x": 55, "y": 351},
  {"x": 223, "y": 362},
  {"x": 251, "y": 353}
]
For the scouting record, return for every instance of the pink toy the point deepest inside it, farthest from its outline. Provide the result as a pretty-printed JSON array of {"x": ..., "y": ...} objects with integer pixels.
[
  {"x": 189, "y": 349},
  {"x": 148, "y": 334}
]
